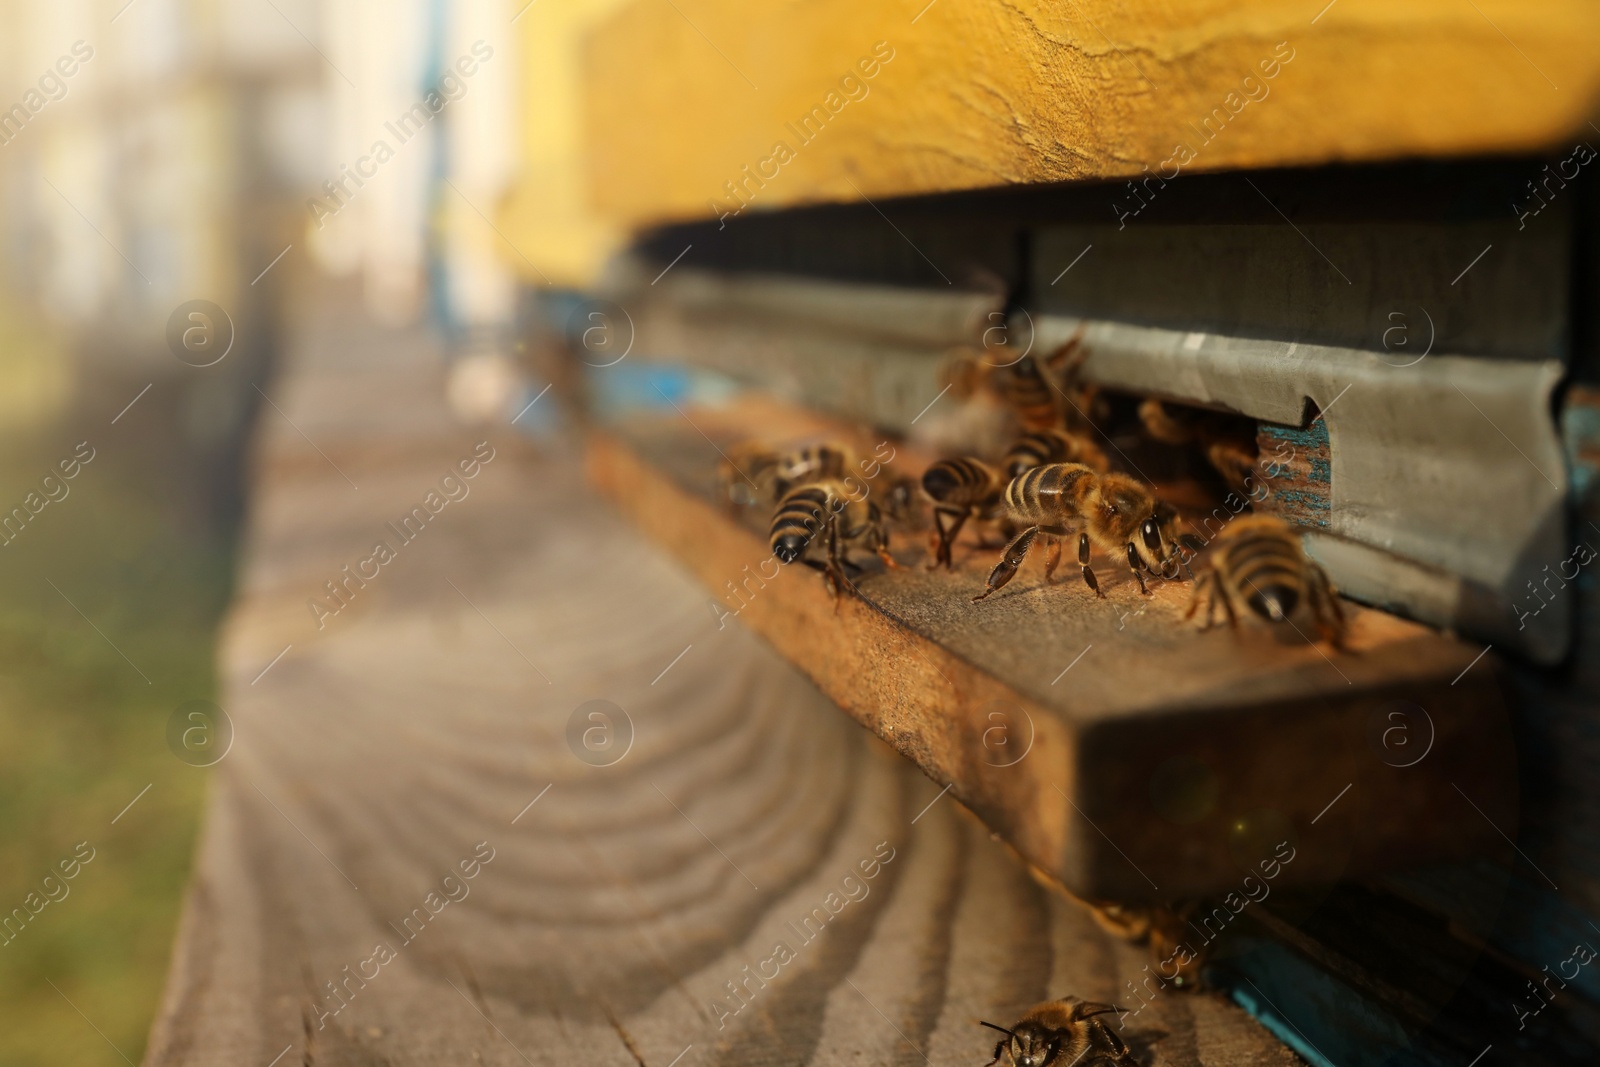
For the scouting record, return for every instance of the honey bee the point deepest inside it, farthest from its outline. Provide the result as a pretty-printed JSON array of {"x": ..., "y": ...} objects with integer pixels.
[
  {"x": 1229, "y": 442},
  {"x": 826, "y": 515},
  {"x": 1024, "y": 387},
  {"x": 1052, "y": 446},
  {"x": 752, "y": 472},
  {"x": 959, "y": 488},
  {"x": 1113, "y": 511},
  {"x": 966, "y": 488},
  {"x": 1258, "y": 560},
  {"x": 1059, "y": 1033}
]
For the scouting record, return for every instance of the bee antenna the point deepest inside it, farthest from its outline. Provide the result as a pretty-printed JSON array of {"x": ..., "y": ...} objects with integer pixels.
[{"x": 992, "y": 1026}]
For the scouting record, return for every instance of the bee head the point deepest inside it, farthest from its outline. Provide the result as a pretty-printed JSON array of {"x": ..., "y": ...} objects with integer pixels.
[
  {"x": 1157, "y": 540},
  {"x": 1032, "y": 1045}
]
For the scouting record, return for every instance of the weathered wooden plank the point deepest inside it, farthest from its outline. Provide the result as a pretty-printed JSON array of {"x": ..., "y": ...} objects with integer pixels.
[
  {"x": 1276, "y": 728},
  {"x": 918, "y": 97},
  {"x": 427, "y": 723}
]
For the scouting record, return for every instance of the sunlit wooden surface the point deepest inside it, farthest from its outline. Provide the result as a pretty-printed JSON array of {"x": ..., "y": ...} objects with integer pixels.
[{"x": 414, "y": 731}]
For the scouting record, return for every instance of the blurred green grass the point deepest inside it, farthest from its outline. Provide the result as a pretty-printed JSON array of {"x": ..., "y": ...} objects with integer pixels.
[{"x": 137, "y": 549}]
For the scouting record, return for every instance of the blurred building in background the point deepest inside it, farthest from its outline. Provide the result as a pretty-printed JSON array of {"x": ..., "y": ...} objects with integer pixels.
[
  {"x": 154, "y": 155},
  {"x": 156, "y": 152}
]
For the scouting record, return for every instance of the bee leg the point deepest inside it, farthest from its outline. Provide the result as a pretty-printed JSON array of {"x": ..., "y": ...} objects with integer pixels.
[
  {"x": 888, "y": 560},
  {"x": 881, "y": 547},
  {"x": 1227, "y": 605},
  {"x": 1136, "y": 564},
  {"x": 1202, "y": 587},
  {"x": 947, "y": 535},
  {"x": 1006, "y": 569},
  {"x": 937, "y": 542},
  {"x": 1052, "y": 559},
  {"x": 955, "y": 531},
  {"x": 1325, "y": 607},
  {"x": 842, "y": 584},
  {"x": 1107, "y": 1047},
  {"x": 1083, "y": 561},
  {"x": 837, "y": 563}
]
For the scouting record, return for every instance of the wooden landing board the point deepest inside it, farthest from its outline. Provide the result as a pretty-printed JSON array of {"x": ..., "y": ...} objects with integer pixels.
[
  {"x": 1163, "y": 761},
  {"x": 686, "y": 105},
  {"x": 427, "y": 724}
]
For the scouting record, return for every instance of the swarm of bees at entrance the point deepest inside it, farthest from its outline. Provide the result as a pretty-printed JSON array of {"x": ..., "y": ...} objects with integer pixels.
[
  {"x": 967, "y": 487},
  {"x": 1059, "y": 1033},
  {"x": 1052, "y": 485}
]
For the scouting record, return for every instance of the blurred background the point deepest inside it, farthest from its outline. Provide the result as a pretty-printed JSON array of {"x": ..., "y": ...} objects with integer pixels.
[{"x": 154, "y": 153}]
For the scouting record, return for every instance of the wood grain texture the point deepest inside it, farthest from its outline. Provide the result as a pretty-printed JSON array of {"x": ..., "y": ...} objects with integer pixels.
[
  {"x": 679, "y": 98},
  {"x": 423, "y": 719},
  {"x": 1273, "y": 728}
]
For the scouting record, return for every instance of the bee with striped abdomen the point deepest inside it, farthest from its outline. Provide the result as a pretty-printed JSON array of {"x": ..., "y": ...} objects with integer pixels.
[
  {"x": 826, "y": 516},
  {"x": 1052, "y": 446},
  {"x": 1061, "y": 1033},
  {"x": 960, "y": 489},
  {"x": 1257, "y": 562},
  {"x": 1113, "y": 511}
]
